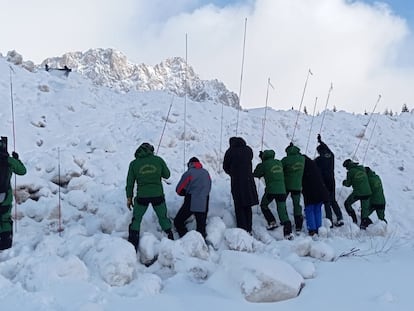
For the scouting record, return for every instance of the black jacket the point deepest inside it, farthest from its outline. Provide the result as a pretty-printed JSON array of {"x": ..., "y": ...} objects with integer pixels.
[
  {"x": 326, "y": 163},
  {"x": 238, "y": 164},
  {"x": 313, "y": 188}
]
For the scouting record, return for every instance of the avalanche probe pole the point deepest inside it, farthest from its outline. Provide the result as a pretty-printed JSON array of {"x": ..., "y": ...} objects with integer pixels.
[
  {"x": 310, "y": 130},
  {"x": 301, "y": 102},
  {"x": 14, "y": 146},
  {"x": 265, "y": 112},
  {"x": 59, "y": 197},
  {"x": 324, "y": 113},
  {"x": 241, "y": 75}
]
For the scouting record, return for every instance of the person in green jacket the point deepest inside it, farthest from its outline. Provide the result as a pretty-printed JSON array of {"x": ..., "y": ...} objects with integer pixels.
[
  {"x": 272, "y": 171},
  {"x": 377, "y": 199},
  {"x": 147, "y": 171},
  {"x": 8, "y": 166},
  {"x": 361, "y": 191},
  {"x": 293, "y": 166}
]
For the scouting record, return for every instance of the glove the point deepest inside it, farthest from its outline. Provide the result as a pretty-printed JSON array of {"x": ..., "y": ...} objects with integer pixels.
[
  {"x": 319, "y": 138},
  {"x": 129, "y": 203},
  {"x": 261, "y": 155},
  {"x": 15, "y": 155}
]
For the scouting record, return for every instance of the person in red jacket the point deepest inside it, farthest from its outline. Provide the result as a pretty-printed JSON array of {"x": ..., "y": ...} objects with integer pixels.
[{"x": 195, "y": 186}]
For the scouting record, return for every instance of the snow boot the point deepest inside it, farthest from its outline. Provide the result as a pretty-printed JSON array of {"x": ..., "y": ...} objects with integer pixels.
[
  {"x": 365, "y": 222},
  {"x": 298, "y": 223},
  {"x": 133, "y": 238},
  {"x": 273, "y": 225},
  {"x": 170, "y": 234},
  {"x": 353, "y": 216},
  {"x": 287, "y": 230},
  {"x": 339, "y": 223}
]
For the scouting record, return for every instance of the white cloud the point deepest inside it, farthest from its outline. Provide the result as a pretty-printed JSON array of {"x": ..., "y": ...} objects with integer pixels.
[{"x": 355, "y": 46}]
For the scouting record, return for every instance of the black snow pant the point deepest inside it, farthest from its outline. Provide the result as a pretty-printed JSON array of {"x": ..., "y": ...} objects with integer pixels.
[
  {"x": 244, "y": 217},
  {"x": 184, "y": 213}
]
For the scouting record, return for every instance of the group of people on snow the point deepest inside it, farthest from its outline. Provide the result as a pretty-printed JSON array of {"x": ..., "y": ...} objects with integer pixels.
[{"x": 295, "y": 174}]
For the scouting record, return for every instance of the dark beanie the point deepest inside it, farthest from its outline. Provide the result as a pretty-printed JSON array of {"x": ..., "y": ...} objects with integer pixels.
[{"x": 193, "y": 159}]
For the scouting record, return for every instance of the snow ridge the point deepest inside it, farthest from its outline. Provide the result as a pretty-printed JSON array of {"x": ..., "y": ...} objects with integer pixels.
[{"x": 111, "y": 68}]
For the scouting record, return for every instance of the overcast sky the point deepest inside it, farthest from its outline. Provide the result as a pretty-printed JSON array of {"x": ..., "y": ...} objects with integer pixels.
[{"x": 364, "y": 48}]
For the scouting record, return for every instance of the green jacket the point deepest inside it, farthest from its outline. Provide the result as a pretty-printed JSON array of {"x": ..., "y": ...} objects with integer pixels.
[
  {"x": 293, "y": 165},
  {"x": 146, "y": 170},
  {"x": 15, "y": 166},
  {"x": 358, "y": 179},
  {"x": 272, "y": 171},
  {"x": 377, "y": 197}
]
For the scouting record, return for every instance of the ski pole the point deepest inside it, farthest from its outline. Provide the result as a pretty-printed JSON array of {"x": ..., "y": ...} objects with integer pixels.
[
  {"x": 301, "y": 102},
  {"x": 310, "y": 130},
  {"x": 241, "y": 75}
]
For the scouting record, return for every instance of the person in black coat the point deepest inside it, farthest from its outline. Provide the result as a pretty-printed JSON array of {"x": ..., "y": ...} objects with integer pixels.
[
  {"x": 326, "y": 163},
  {"x": 314, "y": 195},
  {"x": 238, "y": 164}
]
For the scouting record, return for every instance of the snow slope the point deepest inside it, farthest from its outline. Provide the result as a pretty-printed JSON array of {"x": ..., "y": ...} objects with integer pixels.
[{"x": 73, "y": 133}]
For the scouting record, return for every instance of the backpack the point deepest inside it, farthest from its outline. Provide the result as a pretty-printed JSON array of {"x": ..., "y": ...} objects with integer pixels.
[{"x": 4, "y": 177}]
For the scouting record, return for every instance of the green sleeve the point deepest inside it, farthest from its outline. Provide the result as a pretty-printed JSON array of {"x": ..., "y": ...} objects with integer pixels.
[
  {"x": 258, "y": 171},
  {"x": 165, "y": 173},
  {"x": 17, "y": 166},
  {"x": 130, "y": 182}
]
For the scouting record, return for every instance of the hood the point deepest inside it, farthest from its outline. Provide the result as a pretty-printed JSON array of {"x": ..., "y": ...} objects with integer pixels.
[
  {"x": 194, "y": 162},
  {"x": 292, "y": 149},
  {"x": 348, "y": 163},
  {"x": 144, "y": 150},
  {"x": 195, "y": 165},
  {"x": 369, "y": 171},
  {"x": 268, "y": 154},
  {"x": 237, "y": 142},
  {"x": 322, "y": 149}
]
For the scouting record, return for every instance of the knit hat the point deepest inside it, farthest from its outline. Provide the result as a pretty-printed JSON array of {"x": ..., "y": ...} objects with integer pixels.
[{"x": 193, "y": 159}]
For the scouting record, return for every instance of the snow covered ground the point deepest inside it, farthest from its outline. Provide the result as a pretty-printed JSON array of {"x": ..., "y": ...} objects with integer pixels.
[{"x": 72, "y": 133}]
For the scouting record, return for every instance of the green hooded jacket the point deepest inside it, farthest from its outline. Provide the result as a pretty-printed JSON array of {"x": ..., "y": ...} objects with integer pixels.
[
  {"x": 146, "y": 170},
  {"x": 358, "y": 179},
  {"x": 293, "y": 165},
  {"x": 377, "y": 197},
  {"x": 272, "y": 171},
  {"x": 15, "y": 166}
]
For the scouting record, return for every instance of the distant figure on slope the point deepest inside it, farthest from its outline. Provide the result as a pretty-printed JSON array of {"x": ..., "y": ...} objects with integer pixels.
[
  {"x": 377, "y": 199},
  {"x": 272, "y": 171},
  {"x": 361, "y": 191},
  {"x": 238, "y": 164},
  {"x": 8, "y": 166},
  {"x": 195, "y": 186},
  {"x": 314, "y": 195},
  {"x": 146, "y": 171},
  {"x": 293, "y": 165},
  {"x": 326, "y": 163}
]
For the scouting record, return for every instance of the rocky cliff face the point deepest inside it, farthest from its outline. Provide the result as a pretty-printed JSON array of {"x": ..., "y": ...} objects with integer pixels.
[{"x": 111, "y": 68}]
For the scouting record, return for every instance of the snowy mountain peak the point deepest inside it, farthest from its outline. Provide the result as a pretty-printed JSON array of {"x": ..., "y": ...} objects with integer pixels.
[{"x": 111, "y": 68}]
